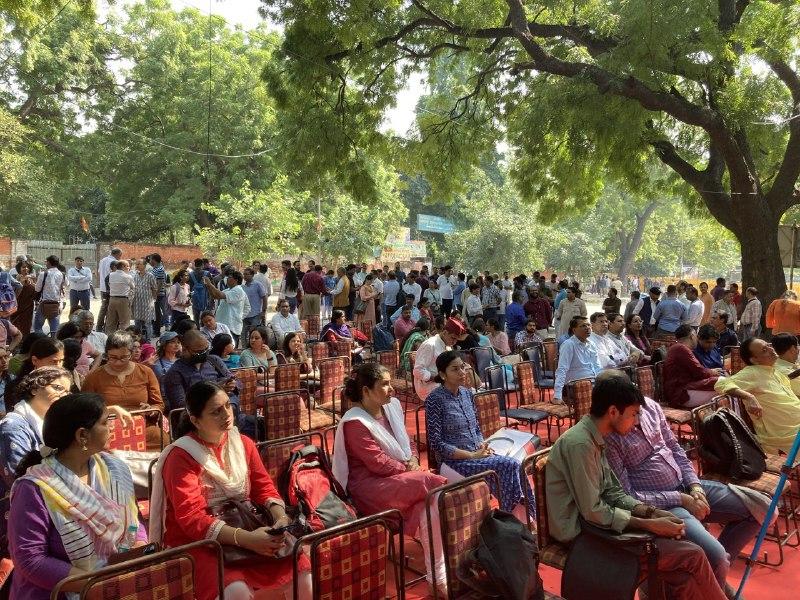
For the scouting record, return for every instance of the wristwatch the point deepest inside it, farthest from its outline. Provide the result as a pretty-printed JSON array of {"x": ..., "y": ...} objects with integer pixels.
[{"x": 649, "y": 512}]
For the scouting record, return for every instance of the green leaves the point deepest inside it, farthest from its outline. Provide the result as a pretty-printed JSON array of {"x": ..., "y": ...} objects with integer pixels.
[{"x": 253, "y": 223}]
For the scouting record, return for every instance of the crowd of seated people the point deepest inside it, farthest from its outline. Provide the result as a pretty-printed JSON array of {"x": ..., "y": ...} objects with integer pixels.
[{"x": 633, "y": 475}]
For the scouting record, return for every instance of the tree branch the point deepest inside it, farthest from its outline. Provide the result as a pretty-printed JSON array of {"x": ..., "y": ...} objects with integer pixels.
[
  {"x": 782, "y": 193},
  {"x": 717, "y": 200}
]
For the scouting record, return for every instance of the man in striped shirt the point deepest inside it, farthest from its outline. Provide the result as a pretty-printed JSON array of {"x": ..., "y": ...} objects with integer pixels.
[{"x": 162, "y": 312}]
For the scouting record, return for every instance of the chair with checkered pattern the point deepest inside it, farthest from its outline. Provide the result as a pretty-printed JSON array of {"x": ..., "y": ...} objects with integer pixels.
[
  {"x": 679, "y": 419},
  {"x": 549, "y": 357},
  {"x": 249, "y": 380},
  {"x": 645, "y": 381},
  {"x": 352, "y": 561},
  {"x": 579, "y": 397},
  {"x": 275, "y": 453},
  {"x": 127, "y": 438},
  {"x": 166, "y": 575},
  {"x": 341, "y": 348},
  {"x": 487, "y": 410},
  {"x": 785, "y": 530},
  {"x": 317, "y": 351},
  {"x": 554, "y": 553},
  {"x": 282, "y": 413},
  {"x": 366, "y": 329},
  {"x": 314, "y": 327},
  {"x": 332, "y": 375},
  {"x": 462, "y": 507},
  {"x": 557, "y": 414},
  {"x": 737, "y": 363},
  {"x": 391, "y": 360},
  {"x": 287, "y": 377}
]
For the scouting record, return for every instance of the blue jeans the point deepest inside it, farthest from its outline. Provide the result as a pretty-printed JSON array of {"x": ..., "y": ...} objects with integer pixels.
[
  {"x": 39, "y": 319},
  {"x": 740, "y": 527},
  {"x": 146, "y": 327},
  {"x": 78, "y": 297},
  {"x": 292, "y": 300}
]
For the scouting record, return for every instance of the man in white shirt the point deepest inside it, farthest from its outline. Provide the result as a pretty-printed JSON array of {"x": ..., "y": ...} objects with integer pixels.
[
  {"x": 361, "y": 276},
  {"x": 284, "y": 322},
  {"x": 233, "y": 305},
  {"x": 473, "y": 307},
  {"x": 50, "y": 285},
  {"x": 412, "y": 288},
  {"x": 80, "y": 281},
  {"x": 446, "y": 289},
  {"x": 696, "y": 308},
  {"x": 103, "y": 269},
  {"x": 120, "y": 289},
  {"x": 624, "y": 350},
  {"x": 425, "y": 363}
]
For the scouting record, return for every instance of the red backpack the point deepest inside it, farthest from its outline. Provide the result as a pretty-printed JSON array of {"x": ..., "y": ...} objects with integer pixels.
[{"x": 310, "y": 485}]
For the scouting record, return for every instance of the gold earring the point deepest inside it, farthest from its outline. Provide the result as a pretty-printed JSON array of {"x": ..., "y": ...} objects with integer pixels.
[{"x": 84, "y": 448}]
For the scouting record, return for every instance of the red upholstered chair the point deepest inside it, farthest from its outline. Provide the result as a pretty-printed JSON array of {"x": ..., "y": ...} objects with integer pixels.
[
  {"x": 166, "y": 575},
  {"x": 351, "y": 561},
  {"x": 275, "y": 453},
  {"x": 644, "y": 378},
  {"x": 341, "y": 348},
  {"x": 487, "y": 410},
  {"x": 530, "y": 398},
  {"x": 366, "y": 329},
  {"x": 462, "y": 507},
  {"x": 318, "y": 351},
  {"x": 250, "y": 378},
  {"x": 286, "y": 413},
  {"x": 127, "y": 438},
  {"x": 579, "y": 397},
  {"x": 314, "y": 327},
  {"x": 287, "y": 377},
  {"x": 737, "y": 364},
  {"x": 332, "y": 374}
]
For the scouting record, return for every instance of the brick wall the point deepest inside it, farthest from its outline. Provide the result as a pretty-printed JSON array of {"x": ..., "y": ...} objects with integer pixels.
[
  {"x": 5, "y": 252},
  {"x": 171, "y": 255}
]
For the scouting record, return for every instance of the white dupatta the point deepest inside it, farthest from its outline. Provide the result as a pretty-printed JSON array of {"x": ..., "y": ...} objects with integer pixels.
[
  {"x": 234, "y": 484},
  {"x": 398, "y": 446}
]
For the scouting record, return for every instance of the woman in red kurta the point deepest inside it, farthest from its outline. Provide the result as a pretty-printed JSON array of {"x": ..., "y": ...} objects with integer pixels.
[
  {"x": 373, "y": 458},
  {"x": 205, "y": 468}
]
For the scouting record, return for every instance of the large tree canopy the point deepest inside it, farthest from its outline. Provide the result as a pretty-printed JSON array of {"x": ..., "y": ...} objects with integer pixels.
[{"x": 580, "y": 90}]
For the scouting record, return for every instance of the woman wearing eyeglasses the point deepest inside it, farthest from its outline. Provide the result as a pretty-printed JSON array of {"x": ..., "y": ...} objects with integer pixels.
[{"x": 123, "y": 382}]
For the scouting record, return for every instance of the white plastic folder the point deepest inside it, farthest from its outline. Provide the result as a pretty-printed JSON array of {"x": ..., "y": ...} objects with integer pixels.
[{"x": 512, "y": 442}]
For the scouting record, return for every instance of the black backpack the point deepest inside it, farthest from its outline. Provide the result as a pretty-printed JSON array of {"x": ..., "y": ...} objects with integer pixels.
[
  {"x": 728, "y": 447},
  {"x": 505, "y": 562}
]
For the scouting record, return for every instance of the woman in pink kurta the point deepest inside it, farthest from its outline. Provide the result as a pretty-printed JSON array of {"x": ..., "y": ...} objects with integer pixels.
[{"x": 373, "y": 459}]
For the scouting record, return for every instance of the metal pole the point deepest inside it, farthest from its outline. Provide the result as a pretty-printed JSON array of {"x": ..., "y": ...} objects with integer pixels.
[
  {"x": 786, "y": 469},
  {"x": 794, "y": 253}
]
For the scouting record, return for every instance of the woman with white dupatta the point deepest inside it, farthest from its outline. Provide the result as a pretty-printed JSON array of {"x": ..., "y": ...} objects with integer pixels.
[
  {"x": 374, "y": 461},
  {"x": 207, "y": 466}
]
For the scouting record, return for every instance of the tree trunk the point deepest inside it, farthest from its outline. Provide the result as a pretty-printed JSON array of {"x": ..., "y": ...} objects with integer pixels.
[
  {"x": 761, "y": 260},
  {"x": 628, "y": 251}
]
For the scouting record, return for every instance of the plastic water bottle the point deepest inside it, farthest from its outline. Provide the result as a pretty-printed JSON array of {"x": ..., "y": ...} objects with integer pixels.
[{"x": 129, "y": 539}]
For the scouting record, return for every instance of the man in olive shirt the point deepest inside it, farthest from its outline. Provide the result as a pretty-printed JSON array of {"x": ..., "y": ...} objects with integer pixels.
[{"x": 580, "y": 482}]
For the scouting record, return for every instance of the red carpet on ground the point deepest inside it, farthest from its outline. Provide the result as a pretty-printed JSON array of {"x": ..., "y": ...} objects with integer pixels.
[{"x": 764, "y": 583}]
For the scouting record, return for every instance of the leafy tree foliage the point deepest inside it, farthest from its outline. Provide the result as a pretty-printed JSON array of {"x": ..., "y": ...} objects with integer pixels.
[
  {"x": 580, "y": 90},
  {"x": 253, "y": 223}
]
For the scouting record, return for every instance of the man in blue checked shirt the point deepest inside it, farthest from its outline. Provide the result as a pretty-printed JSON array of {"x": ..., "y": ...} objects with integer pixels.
[{"x": 652, "y": 467}]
